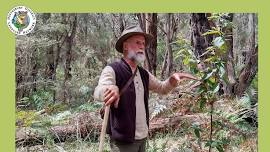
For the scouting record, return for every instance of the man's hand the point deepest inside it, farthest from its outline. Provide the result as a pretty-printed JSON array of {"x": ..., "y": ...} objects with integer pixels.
[
  {"x": 111, "y": 95},
  {"x": 176, "y": 77}
]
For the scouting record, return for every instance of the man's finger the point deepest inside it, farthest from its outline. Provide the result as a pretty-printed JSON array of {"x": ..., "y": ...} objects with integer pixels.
[
  {"x": 111, "y": 100},
  {"x": 189, "y": 76},
  {"x": 107, "y": 91},
  {"x": 195, "y": 85},
  {"x": 108, "y": 96}
]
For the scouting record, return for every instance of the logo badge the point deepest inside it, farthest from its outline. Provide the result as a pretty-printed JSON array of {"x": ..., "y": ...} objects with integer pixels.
[{"x": 21, "y": 20}]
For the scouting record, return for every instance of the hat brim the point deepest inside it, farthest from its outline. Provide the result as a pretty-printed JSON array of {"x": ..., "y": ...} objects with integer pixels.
[{"x": 119, "y": 43}]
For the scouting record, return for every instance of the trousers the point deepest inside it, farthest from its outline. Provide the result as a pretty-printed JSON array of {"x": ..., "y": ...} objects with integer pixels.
[{"x": 136, "y": 146}]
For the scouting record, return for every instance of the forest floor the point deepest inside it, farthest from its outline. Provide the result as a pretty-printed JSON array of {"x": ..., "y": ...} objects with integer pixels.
[{"x": 177, "y": 123}]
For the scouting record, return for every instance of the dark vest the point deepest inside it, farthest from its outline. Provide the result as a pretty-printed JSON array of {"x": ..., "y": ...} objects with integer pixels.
[{"x": 122, "y": 120}]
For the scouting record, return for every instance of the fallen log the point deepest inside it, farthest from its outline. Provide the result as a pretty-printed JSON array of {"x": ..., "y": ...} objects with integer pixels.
[
  {"x": 163, "y": 125},
  {"x": 87, "y": 126},
  {"x": 84, "y": 125}
]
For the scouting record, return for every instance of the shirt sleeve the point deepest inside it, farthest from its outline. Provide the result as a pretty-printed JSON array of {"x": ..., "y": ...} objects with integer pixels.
[
  {"x": 106, "y": 80},
  {"x": 161, "y": 87}
]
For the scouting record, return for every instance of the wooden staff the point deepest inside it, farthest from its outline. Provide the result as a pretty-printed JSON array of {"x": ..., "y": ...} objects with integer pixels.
[
  {"x": 103, "y": 129},
  {"x": 107, "y": 110}
]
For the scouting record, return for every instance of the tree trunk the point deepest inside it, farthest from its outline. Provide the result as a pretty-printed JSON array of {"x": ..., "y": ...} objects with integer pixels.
[
  {"x": 69, "y": 41},
  {"x": 229, "y": 58},
  {"x": 34, "y": 71},
  {"x": 121, "y": 22},
  {"x": 164, "y": 65},
  {"x": 50, "y": 69},
  {"x": 142, "y": 21},
  {"x": 170, "y": 28},
  {"x": 200, "y": 25},
  {"x": 148, "y": 23},
  {"x": 251, "y": 62},
  {"x": 151, "y": 50}
]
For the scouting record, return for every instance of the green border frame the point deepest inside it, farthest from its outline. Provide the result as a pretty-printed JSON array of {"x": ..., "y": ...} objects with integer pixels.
[{"x": 7, "y": 46}]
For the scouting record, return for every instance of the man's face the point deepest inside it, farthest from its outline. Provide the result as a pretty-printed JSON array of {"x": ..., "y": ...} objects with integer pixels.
[{"x": 134, "y": 48}]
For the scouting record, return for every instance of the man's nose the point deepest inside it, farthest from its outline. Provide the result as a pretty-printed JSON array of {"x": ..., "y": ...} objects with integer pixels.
[{"x": 142, "y": 46}]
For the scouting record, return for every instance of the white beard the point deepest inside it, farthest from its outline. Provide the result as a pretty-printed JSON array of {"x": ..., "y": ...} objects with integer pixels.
[{"x": 139, "y": 57}]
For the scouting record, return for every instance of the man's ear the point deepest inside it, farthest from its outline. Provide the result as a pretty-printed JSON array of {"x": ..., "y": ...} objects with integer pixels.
[{"x": 124, "y": 46}]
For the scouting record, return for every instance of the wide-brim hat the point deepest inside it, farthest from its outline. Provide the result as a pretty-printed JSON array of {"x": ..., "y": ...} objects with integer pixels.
[{"x": 130, "y": 31}]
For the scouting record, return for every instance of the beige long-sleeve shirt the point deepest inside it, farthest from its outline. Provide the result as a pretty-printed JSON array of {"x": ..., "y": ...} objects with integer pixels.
[{"x": 107, "y": 79}]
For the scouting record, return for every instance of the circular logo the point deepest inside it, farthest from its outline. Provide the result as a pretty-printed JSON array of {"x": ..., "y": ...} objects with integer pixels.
[{"x": 21, "y": 20}]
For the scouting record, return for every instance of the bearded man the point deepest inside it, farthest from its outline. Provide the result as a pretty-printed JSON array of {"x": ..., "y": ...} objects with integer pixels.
[{"x": 128, "y": 121}]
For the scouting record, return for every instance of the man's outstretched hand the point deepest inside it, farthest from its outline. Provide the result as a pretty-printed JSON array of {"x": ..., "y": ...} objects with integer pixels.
[{"x": 176, "y": 77}]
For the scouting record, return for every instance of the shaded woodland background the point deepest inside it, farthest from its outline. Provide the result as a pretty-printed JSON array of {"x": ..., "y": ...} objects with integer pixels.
[{"x": 58, "y": 66}]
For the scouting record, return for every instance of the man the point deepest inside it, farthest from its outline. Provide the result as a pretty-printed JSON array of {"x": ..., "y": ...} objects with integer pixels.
[{"x": 129, "y": 116}]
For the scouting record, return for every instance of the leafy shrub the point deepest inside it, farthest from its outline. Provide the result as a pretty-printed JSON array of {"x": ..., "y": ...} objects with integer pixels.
[{"x": 41, "y": 99}]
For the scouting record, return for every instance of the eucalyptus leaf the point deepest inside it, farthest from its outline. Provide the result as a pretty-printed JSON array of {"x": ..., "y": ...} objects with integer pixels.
[
  {"x": 208, "y": 75},
  {"x": 216, "y": 89},
  {"x": 218, "y": 42}
]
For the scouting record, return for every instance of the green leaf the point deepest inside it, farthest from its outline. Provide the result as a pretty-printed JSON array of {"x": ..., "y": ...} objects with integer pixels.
[
  {"x": 201, "y": 89},
  {"x": 214, "y": 144},
  {"x": 208, "y": 143},
  {"x": 218, "y": 42},
  {"x": 212, "y": 81},
  {"x": 193, "y": 70},
  {"x": 213, "y": 17},
  {"x": 208, "y": 75},
  {"x": 219, "y": 148},
  {"x": 197, "y": 130},
  {"x": 202, "y": 102},
  {"x": 210, "y": 48},
  {"x": 210, "y": 59},
  {"x": 197, "y": 133},
  {"x": 186, "y": 61},
  {"x": 25, "y": 99},
  {"x": 211, "y": 32},
  {"x": 191, "y": 60},
  {"x": 221, "y": 71},
  {"x": 190, "y": 52},
  {"x": 216, "y": 88}
]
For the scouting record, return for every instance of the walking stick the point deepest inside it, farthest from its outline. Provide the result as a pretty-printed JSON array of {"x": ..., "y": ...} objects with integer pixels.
[
  {"x": 107, "y": 111},
  {"x": 103, "y": 129}
]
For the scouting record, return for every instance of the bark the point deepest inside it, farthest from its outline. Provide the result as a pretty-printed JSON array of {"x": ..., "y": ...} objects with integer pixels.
[
  {"x": 170, "y": 28},
  {"x": 229, "y": 59},
  {"x": 248, "y": 72},
  {"x": 121, "y": 21},
  {"x": 148, "y": 23},
  {"x": 34, "y": 71},
  {"x": 251, "y": 62},
  {"x": 200, "y": 25},
  {"x": 69, "y": 41},
  {"x": 164, "y": 65},
  {"x": 45, "y": 17},
  {"x": 50, "y": 69},
  {"x": 142, "y": 21},
  {"x": 151, "y": 50},
  {"x": 168, "y": 45},
  {"x": 26, "y": 73}
]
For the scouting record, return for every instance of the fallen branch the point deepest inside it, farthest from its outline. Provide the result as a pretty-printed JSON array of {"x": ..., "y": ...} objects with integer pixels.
[{"x": 87, "y": 126}]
